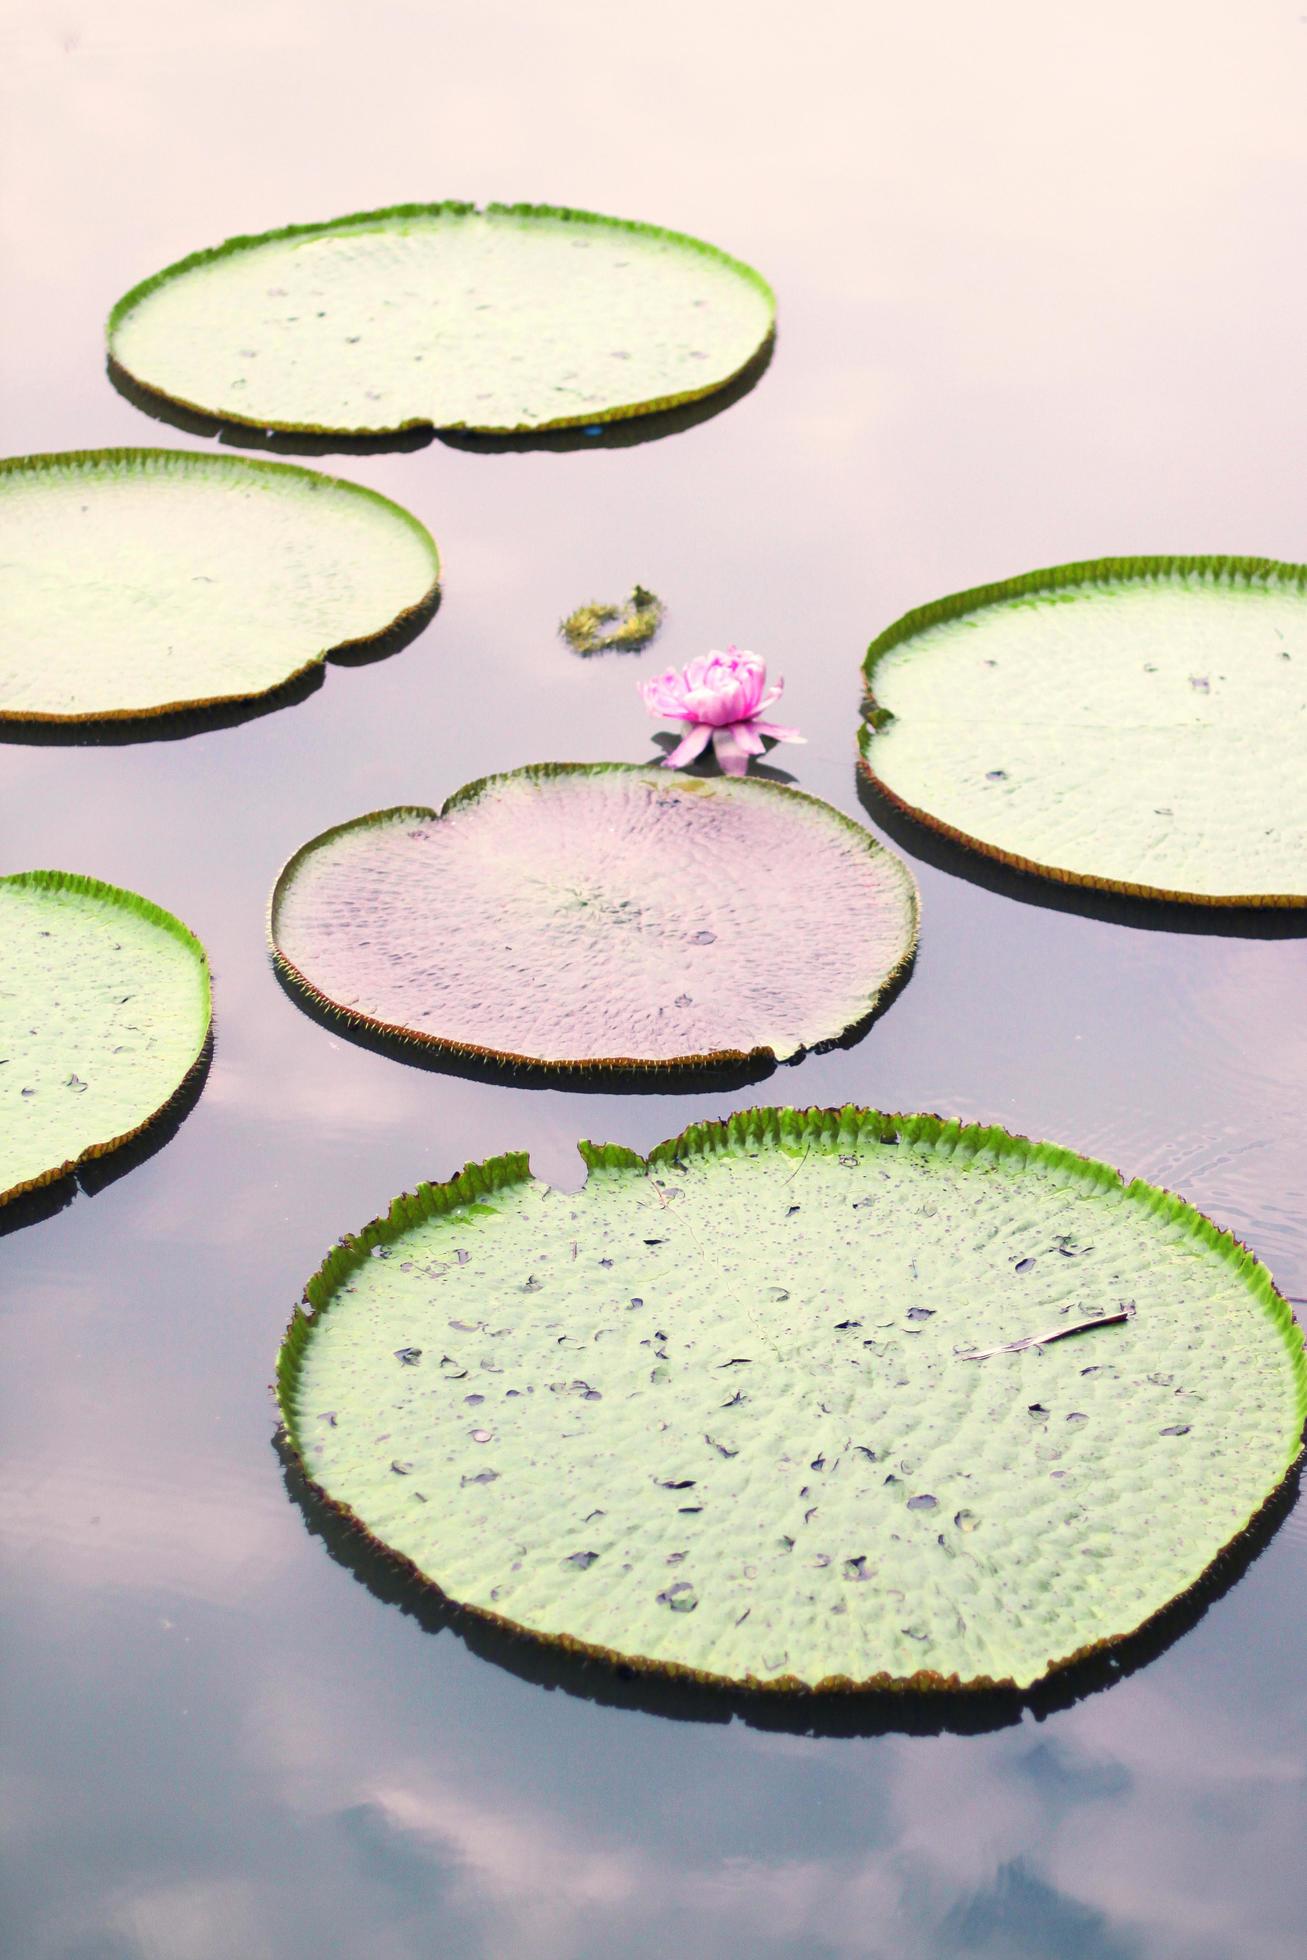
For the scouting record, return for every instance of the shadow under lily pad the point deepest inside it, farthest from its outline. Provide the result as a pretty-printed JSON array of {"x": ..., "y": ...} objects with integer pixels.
[
  {"x": 104, "y": 1026},
  {"x": 146, "y": 583},
  {"x": 601, "y": 916},
  {"x": 786, "y": 1406},
  {"x": 1125, "y": 724},
  {"x": 513, "y": 318},
  {"x": 868, "y": 1713}
]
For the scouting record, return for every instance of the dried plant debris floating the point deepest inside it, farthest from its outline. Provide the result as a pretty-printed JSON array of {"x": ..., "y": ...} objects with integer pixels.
[
  {"x": 1138, "y": 724},
  {"x": 598, "y": 627},
  {"x": 513, "y": 318},
  {"x": 139, "y": 581},
  {"x": 104, "y": 1012},
  {"x": 712, "y": 1414},
  {"x": 579, "y": 915}
]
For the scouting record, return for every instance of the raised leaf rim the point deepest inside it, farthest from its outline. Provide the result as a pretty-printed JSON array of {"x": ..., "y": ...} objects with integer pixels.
[
  {"x": 1052, "y": 578},
  {"x": 447, "y": 207},
  {"x": 642, "y": 1065},
  {"x": 43, "y": 460},
  {"x": 155, "y": 915},
  {"x": 846, "y": 1127}
]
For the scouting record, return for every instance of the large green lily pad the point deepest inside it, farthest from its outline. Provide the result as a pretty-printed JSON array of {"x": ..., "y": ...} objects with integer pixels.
[
  {"x": 104, "y": 1013},
  {"x": 1138, "y": 724},
  {"x": 600, "y": 915},
  {"x": 139, "y": 581},
  {"x": 517, "y": 317},
  {"x": 724, "y": 1413}
]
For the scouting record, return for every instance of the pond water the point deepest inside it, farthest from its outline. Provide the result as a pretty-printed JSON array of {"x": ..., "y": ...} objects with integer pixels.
[{"x": 1039, "y": 300}]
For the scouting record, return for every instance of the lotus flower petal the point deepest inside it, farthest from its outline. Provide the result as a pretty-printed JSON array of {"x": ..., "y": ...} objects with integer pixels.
[
  {"x": 697, "y": 737},
  {"x": 724, "y": 693},
  {"x": 733, "y": 758}
]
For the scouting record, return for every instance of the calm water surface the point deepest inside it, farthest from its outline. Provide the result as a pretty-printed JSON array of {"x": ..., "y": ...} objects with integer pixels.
[{"x": 1041, "y": 298}]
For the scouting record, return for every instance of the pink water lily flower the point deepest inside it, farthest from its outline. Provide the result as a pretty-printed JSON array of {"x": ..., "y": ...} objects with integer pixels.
[{"x": 721, "y": 700}]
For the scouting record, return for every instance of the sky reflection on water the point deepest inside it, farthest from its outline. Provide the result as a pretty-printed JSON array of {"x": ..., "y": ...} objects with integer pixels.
[{"x": 1040, "y": 299}]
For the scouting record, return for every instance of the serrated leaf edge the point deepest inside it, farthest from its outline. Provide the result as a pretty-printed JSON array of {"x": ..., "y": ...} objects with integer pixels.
[
  {"x": 155, "y": 915},
  {"x": 1218, "y": 569},
  {"x": 450, "y": 207},
  {"x": 545, "y": 771},
  {"x": 796, "y": 1130},
  {"x": 193, "y": 461}
]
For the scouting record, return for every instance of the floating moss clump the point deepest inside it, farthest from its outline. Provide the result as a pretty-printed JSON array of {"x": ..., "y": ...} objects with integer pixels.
[{"x": 628, "y": 628}]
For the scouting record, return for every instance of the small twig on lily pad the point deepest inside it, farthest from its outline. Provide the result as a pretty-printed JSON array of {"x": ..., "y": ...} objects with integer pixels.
[{"x": 1126, "y": 1312}]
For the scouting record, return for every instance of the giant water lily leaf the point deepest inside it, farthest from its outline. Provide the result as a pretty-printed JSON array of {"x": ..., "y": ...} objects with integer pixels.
[
  {"x": 104, "y": 1012},
  {"x": 738, "y": 1412},
  {"x": 1139, "y": 724},
  {"x": 602, "y": 914},
  {"x": 135, "y": 581},
  {"x": 517, "y": 317}
]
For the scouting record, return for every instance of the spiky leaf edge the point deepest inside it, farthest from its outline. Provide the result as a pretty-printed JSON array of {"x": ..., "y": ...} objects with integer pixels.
[
  {"x": 142, "y": 908},
  {"x": 201, "y": 459},
  {"x": 793, "y": 1130},
  {"x": 449, "y": 207},
  {"x": 1221, "y": 569},
  {"x": 712, "y": 1058}
]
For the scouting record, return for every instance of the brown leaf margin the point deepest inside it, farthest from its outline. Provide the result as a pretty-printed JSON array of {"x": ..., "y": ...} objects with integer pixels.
[
  {"x": 140, "y": 908},
  {"x": 730, "y": 1058},
  {"x": 1252, "y": 572},
  {"x": 455, "y": 208},
  {"x": 844, "y": 1129},
  {"x": 190, "y": 462}
]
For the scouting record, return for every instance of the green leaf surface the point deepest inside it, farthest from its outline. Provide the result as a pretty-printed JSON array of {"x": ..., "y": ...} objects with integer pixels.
[
  {"x": 104, "y": 1012},
  {"x": 1138, "y": 724},
  {"x": 600, "y": 915},
  {"x": 517, "y": 317},
  {"x": 139, "y": 581},
  {"x": 716, "y": 1414}
]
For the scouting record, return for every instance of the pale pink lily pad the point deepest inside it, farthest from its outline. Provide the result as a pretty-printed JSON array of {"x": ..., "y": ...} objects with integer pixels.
[{"x": 589, "y": 915}]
